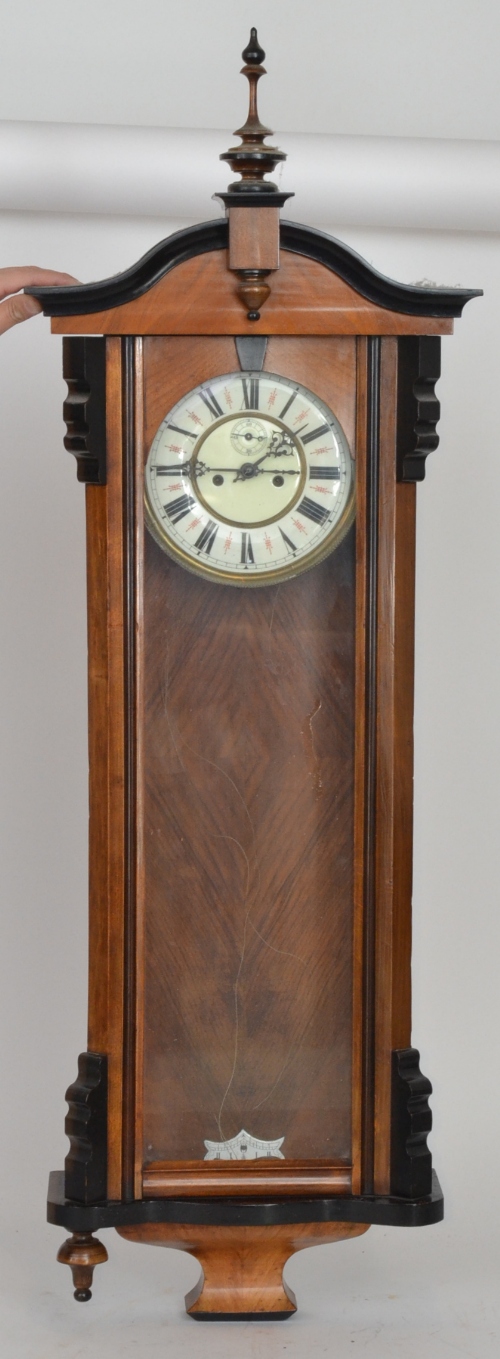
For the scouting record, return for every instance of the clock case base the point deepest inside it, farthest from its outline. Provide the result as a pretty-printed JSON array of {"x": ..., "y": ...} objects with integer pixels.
[{"x": 242, "y": 1246}]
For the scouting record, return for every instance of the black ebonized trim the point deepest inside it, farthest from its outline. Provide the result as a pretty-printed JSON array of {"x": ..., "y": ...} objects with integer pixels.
[
  {"x": 372, "y": 499},
  {"x": 302, "y": 240},
  {"x": 384, "y": 292},
  {"x": 241, "y": 1316},
  {"x": 411, "y": 1122},
  {"x": 419, "y": 367},
  {"x": 85, "y": 298},
  {"x": 84, "y": 410},
  {"x": 129, "y": 562},
  {"x": 260, "y": 197},
  {"x": 85, "y": 1167},
  {"x": 386, "y": 1210},
  {"x": 251, "y": 351}
]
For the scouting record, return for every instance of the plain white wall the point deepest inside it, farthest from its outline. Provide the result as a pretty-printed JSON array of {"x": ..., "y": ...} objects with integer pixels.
[
  {"x": 355, "y": 68},
  {"x": 386, "y": 67}
]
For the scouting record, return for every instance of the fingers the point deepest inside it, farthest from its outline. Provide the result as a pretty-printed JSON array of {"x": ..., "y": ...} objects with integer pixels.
[
  {"x": 17, "y": 308},
  {"x": 12, "y": 280}
]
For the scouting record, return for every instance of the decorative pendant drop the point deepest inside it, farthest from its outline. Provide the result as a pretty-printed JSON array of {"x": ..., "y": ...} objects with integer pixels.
[{"x": 244, "y": 1147}]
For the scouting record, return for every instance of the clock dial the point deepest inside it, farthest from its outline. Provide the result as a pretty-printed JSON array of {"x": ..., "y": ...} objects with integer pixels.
[{"x": 249, "y": 479}]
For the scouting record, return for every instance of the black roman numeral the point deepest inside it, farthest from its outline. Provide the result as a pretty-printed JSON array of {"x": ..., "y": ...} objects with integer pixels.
[
  {"x": 206, "y": 538},
  {"x": 250, "y": 393},
  {"x": 290, "y": 547},
  {"x": 247, "y": 549},
  {"x": 173, "y": 469},
  {"x": 315, "y": 433},
  {"x": 287, "y": 405},
  {"x": 178, "y": 430},
  {"x": 179, "y": 507},
  {"x": 313, "y": 511},
  {"x": 325, "y": 473},
  {"x": 211, "y": 402}
]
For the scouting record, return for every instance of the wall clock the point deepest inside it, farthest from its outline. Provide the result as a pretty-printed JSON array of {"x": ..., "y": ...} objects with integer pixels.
[{"x": 250, "y": 407}]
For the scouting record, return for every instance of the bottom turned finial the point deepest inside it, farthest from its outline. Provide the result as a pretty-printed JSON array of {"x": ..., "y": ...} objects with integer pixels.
[
  {"x": 82, "y": 1252},
  {"x": 253, "y": 291}
]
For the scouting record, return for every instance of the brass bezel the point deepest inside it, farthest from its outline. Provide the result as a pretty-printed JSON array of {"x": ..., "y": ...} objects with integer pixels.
[{"x": 289, "y": 570}]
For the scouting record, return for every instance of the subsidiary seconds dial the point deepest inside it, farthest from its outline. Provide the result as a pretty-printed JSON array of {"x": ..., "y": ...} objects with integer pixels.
[{"x": 249, "y": 480}]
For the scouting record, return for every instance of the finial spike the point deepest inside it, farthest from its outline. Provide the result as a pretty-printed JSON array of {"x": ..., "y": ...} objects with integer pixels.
[
  {"x": 253, "y": 159},
  {"x": 254, "y": 54}
]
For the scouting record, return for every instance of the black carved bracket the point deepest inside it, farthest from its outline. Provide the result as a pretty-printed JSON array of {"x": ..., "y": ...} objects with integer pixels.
[
  {"x": 419, "y": 366},
  {"x": 86, "y": 1126},
  {"x": 411, "y": 1121},
  {"x": 84, "y": 410}
]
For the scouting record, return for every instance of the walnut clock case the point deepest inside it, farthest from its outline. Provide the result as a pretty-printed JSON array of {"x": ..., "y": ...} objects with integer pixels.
[{"x": 250, "y": 408}]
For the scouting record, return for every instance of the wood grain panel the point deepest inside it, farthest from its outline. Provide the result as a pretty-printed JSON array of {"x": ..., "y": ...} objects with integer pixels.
[
  {"x": 106, "y": 750},
  {"x": 359, "y": 761},
  {"x": 248, "y": 798},
  {"x": 394, "y": 797},
  {"x": 246, "y": 1178},
  {"x": 241, "y": 1267},
  {"x": 199, "y": 297}
]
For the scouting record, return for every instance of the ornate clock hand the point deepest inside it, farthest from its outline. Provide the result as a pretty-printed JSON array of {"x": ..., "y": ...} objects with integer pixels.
[
  {"x": 248, "y": 467},
  {"x": 251, "y": 469}
]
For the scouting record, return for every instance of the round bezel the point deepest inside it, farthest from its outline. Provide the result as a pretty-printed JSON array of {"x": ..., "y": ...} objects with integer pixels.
[{"x": 312, "y": 503}]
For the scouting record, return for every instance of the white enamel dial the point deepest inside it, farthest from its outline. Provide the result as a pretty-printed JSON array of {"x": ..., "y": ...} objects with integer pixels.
[{"x": 249, "y": 479}]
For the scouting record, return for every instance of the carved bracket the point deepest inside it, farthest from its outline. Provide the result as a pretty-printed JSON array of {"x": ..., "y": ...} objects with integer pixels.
[
  {"x": 411, "y": 1121},
  {"x": 84, "y": 410},
  {"x": 86, "y": 1126},
  {"x": 419, "y": 367}
]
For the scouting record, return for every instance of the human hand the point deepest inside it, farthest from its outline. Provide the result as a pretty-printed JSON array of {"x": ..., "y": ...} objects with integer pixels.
[{"x": 19, "y": 306}]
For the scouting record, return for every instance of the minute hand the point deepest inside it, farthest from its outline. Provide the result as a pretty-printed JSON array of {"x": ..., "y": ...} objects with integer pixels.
[
  {"x": 252, "y": 469},
  {"x": 283, "y": 471}
]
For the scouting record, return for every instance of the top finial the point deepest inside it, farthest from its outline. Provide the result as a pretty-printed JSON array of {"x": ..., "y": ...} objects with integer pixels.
[
  {"x": 254, "y": 54},
  {"x": 253, "y": 159}
]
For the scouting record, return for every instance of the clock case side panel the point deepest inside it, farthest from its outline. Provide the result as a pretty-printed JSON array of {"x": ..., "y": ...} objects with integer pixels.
[
  {"x": 107, "y": 826},
  {"x": 407, "y": 369}
]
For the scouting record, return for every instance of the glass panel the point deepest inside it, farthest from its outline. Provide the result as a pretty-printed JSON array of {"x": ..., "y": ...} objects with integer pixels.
[{"x": 248, "y": 834}]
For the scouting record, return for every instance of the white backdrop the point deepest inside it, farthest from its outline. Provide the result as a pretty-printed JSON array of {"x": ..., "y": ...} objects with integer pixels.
[{"x": 423, "y": 1293}]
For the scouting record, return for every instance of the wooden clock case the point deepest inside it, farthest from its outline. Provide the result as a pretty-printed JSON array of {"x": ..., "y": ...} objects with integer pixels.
[{"x": 370, "y": 348}]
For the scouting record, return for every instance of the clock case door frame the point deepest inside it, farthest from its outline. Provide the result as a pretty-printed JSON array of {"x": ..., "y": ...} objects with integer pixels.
[
  {"x": 321, "y": 288},
  {"x": 383, "y": 764}
]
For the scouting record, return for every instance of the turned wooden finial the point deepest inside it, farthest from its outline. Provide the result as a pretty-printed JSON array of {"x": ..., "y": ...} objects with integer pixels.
[
  {"x": 82, "y": 1252},
  {"x": 253, "y": 236},
  {"x": 252, "y": 160}
]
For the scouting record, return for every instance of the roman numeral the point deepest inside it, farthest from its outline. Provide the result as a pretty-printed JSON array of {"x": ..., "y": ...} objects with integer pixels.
[
  {"x": 325, "y": 473},
  {"x": 206, "y": 538},
  {"x": 247, "y": 549},
  {"x": 250, "y": 393},
  {"x": 315, "y": 433},
  {"x": 178, "y": 430},
  {"x": 211, "y": 402},
  {"x": 173, "y": 469},
  {"x": 179, "y": 507},
  {"x": 286, "y": 407},
  {"x": 290, "y": 547},
  {"x": 313, "y": 511}
]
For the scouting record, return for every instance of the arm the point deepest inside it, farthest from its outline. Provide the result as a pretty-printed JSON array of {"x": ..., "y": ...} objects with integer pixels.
[{"x": 16, "y": 306}]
